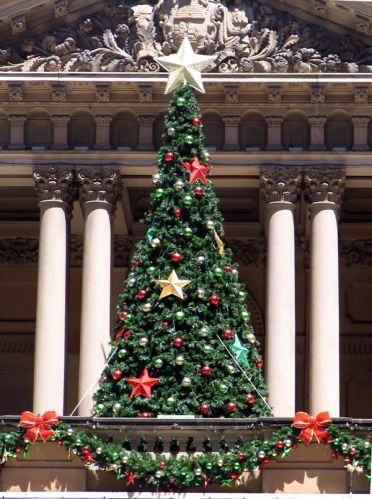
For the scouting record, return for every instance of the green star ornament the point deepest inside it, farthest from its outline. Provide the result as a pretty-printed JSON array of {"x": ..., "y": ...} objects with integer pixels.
[{"x": 240, "y": 352}]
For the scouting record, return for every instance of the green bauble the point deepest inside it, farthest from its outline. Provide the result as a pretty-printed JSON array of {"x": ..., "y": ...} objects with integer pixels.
[
  {"x": 159, "y": 193},
  {"x": 180, "y": 102},
  {"x": 217, "y": 271},
  {"x": 151, "y": 271},
  {"x": 122, "y": 353},
  {"x": 189, "y": 139},
  {"x": 187, "y": 231},
  {"x": 187, "y": 200},
  {"x": 158, "y": 363},
  {"x": 245, "y": 315},
  {"x": 180, "y": 315}
]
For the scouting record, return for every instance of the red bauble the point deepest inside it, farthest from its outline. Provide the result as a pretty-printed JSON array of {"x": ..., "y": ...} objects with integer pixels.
[
  {"x": 295, "y": 445},
  {"x": 137, "y": 261},
  {"x": 145, "y": 414},
  {"x": 229, "y": 335},
  {"x": 117, "y": 374},
  {"x": 206, "y": 371},
  {"x": 241, "y": 456},
  {"x": 85, "y": 449},
  {"x": 204, "y": 408},
  {"x": 266, "y": 460},
  {"x": 280, "y": 444},
  {"x": 176, "y": 257},
  {"x": 352, "y": 452},
  {"x": 165, "y": 323},
  {"x": 329, "y": 440},
  {"x": 231, "y": 406},
  {"x": 177, "y": 342},
  {"x": 177, "y": 212},
  {"x": 250, "y": 399},
  {"x": 196, "y": 121},
  {"x": 214, "y": 300},
  {"x": 19, "y": 449},
  {"x": 259, "y": 363},
  {"x": 169, "y": 156},
  {"x": 127, "y": 334},
  {"x": 234, "y": 476},
  {"x": 198, "y": 190},
  {"x": 162, "y": 465},
  {"x": 228, "y": 269},
  {"x": 59, "y": 442},
  {"x": 142, "y": 294},
  {"x": 123, "y": 315},
  {"x": 334, "y": 455}
]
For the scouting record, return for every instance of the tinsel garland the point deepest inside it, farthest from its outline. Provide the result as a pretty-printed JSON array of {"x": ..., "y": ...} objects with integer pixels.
[{"x": 174, "y": 471}]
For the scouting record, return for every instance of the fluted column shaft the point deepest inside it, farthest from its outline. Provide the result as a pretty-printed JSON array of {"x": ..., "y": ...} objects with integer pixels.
[
  {"x": 280, "y": 187},
  {"x": 98, "y": 194},
  {"x": 324, "y": 191},
  {"x": 55, "y": 191}
]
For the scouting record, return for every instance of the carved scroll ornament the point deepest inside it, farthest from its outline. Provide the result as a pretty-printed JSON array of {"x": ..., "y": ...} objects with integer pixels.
[{"x": 245, "y": 36}]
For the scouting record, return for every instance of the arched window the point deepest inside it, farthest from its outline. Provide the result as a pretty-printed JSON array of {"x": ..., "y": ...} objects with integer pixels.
[
  {"x": 124, "y": 131},
  {"x": 253, "y": 132},
  {"x": 339, "y": 131},
  {"x": 82, "y": 130},
  {"x": 295, "y": 132},
  {"x": 38, "y": 130},
  {"x": 4, "y": 131},
  {"x": 158, "y": 131},
  {"x": 213, "y": 129}
]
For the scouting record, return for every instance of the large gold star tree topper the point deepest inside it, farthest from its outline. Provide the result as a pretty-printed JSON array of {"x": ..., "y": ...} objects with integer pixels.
[{"x": 185, "y": 67}]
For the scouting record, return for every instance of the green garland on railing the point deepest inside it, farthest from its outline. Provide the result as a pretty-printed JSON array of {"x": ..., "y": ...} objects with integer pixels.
[{"x": 170, "y": 471}]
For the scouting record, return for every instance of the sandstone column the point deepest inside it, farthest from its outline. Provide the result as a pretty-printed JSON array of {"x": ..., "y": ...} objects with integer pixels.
[
  {"x": 280, "y": 187},
  {"x": 274, "y": 133},
  {"x": 54, "y": 186},
  {"x": 145, "y": 139},
  {"x": 99, "y": 190},
  {"x": 360, "y": 133},
  {"x": 231, "y": 133},
  {"x": 17, "y": 131},
  {"x": 324, "y": 190},
  {"x": 60, "y": 123},
  {"x": 103, "y": 132},
  {"x": 317, "y": 124}
]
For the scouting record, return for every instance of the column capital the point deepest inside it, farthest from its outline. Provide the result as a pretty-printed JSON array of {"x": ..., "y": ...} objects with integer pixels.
[
  {"x": 103, "y": 120},
  {"x": 280, "y": 184},
  {"x": 360, "y": 120},
  {"x": 54, "y": 183},
  {"x": 324, "y": 185},
  {"x": 17, "y": 119},
  {"x": 274, "y": 121},
  {"x": 231, "y": 120},
  {"x": 317, "y": 120},
  {"x": 99, "y": 184},
  {"x": 60, "y": 119}
]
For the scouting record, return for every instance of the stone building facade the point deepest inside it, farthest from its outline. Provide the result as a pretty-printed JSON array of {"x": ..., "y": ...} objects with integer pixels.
[{"x": 287, "y": 116}]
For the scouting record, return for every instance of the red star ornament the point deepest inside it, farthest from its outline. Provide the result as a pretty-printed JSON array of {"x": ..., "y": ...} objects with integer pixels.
[
  {"x": 197, "y": 170},
  {"x": 142, "y": 386}
]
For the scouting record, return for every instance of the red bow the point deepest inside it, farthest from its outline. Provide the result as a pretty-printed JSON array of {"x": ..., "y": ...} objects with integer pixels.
[
  {"x": 312, "y": 426},
  {"x": 38, "y": 425}
]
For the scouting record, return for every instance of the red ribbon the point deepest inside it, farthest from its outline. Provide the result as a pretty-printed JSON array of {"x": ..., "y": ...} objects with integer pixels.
[
  {"x": 312, "y": 427},
  {"x": 118, "y": 334},
  {"x": 38, "y": 425}
]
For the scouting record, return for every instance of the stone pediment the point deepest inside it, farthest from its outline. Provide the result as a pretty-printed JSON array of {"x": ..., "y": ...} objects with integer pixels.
[{"x": 126, "y": 36}]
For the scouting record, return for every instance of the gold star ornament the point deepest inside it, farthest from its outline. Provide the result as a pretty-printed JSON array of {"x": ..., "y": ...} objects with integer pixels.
[
  {"x": 172, "y": 286},
  {"x": 185, "y": 67}
]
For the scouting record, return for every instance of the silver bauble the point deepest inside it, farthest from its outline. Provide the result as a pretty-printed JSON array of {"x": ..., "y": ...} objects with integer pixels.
[
  {"x": 186, "y": 382},
  {"x": 178, "y": 185},
  {"x": 156, "y": 178},
  {"x": 261, "y": 454},
  {"x": 116, "y": 407},
  {"x": 251, "y": 338},
  {"x": 201, "y": 293},
  {"x": 204, "y": 331},
  {"x": 143, "y": 341},
  {"x": 180, "y": 360},
  {"x": 146, "y": 307},
  {"x": 155, "y": 243},
  {"x": 210, "y": 224},
  {"x": 200, "y": 259}
]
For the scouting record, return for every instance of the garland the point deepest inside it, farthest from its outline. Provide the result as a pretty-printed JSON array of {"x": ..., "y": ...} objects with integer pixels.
[{"x": 169, "y": 472}]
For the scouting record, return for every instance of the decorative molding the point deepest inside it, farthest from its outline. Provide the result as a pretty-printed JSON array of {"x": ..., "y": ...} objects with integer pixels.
[
  {"x": 99, "y": 184},
  {"x": 102, "y": 93},
  {"x": 60, "y": 8},
  {"x": 317, "y": 121},
  {"x": 17, "y": 343},
  {"x": 317, "y": 94},
  {"x": 362, "y": 24},
  {"x": 245, "y": 36},
  {"x": 231, "y": 94},
  {"x": 248, "y": 251},
  {"x": 274, "y": 94},
  {"x": 357, "y": 252},
  {"x": 280, "y": 184},
  {"x": 145, "y": 93},
  {"x": 19, "y": 250},
  {"x": 54, "y": 183},
  {"x": 15, "y": 92},
  {"x": 59, "y": 92},
  {"x": 361, "y": 95},
  {"x": 324, "y": 184}
]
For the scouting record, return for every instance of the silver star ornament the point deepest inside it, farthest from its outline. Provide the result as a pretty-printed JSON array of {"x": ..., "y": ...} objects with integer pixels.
[{"x": 185, "y": 67}]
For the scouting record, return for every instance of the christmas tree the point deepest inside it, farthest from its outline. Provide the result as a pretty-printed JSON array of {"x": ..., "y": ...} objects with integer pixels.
[{"x": 183, "y": 344}]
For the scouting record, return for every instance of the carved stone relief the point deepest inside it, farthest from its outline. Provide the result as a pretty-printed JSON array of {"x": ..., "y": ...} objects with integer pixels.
[{"x": 245, "y": 36}]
